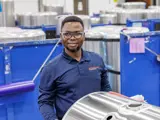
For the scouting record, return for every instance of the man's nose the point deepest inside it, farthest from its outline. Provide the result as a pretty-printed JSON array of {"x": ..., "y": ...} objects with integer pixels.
[{"x": 72, "y": 37}]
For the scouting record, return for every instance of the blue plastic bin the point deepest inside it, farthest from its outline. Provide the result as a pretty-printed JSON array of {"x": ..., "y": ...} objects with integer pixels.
[
  {"x": 24, "y": 59},
  {"x": 50, "y": 31},
  {"x": 142, "y": 75},
  {"x": 138, "y": 23},
  {"x": 100, "y": 24},
  {"x": 151, "y": 24},
  {"x": 154, "y": 24},
  {"x": 0, "y": 6}
]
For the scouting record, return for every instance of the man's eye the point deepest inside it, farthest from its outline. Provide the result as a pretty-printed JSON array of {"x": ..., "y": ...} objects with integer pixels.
[
  {"x": 66, "y": 34},
  {"x": 79, "y": 33}
]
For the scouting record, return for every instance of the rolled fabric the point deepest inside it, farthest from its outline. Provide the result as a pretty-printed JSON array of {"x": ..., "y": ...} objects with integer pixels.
[{"x": 18, "y": 87}]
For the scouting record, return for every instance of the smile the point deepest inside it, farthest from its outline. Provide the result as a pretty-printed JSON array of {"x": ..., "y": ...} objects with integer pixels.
[{"x": 72, "y": 44}]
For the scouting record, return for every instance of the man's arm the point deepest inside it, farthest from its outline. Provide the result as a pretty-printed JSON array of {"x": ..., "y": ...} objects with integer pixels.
[
  {"x": 46, "y": 97},
  {"x": 105, "y": 85}
]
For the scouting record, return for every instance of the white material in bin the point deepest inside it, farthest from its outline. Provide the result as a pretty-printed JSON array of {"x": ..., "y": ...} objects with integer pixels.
[{"x": 11, "y": 34}]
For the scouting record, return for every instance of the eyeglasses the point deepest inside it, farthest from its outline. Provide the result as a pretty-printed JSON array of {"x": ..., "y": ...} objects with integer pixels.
[{"x": 68, "y": 35}]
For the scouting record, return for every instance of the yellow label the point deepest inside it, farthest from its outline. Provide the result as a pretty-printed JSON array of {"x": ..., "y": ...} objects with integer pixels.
[{"x": 115, "y": 0}]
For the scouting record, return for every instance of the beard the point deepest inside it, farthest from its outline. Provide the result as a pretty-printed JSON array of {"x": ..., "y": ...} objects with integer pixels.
[{"x": 74, "y": 50}]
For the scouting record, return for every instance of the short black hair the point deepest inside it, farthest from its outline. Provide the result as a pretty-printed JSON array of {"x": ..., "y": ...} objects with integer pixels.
[{"x": 72, "y": 19}]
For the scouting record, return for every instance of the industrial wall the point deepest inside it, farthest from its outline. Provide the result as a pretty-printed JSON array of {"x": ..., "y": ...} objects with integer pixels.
[{"x": 32, "y": 5}]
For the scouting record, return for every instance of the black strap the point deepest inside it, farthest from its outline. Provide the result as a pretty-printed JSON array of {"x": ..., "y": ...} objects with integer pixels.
[
  {"x": 102, "y": 39},
  {"x": 113, "y": 71}
]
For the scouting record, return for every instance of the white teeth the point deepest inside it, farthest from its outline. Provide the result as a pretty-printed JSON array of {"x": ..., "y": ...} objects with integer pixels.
[{"x": 73, "y": 45}]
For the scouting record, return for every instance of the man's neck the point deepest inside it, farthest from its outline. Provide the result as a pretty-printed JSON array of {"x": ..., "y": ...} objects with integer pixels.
[{"x": 76, "y": 55}]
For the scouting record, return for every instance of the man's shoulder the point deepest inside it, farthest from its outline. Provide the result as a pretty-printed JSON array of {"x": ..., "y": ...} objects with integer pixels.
[
  {"x": 55, "y": 61},
  {"x": 93, "y": 55}
]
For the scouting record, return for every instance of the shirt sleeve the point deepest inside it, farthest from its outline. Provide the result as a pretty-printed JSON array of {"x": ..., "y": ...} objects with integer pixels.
[
  {"x": 105, "y": 85},
  {"x": 47, "y": 91}
]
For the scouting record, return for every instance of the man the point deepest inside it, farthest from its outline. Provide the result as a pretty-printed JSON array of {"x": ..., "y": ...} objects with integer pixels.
[{"x": 71, "y": 75}]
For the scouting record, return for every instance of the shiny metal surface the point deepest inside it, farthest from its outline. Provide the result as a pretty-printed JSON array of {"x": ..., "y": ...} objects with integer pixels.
[
  {"x": 113, "y": 10},
  {"x": 34, "y": 19},
  {"x": 1, "y": 21},
  {"x": 107, "y": 106},
  {"x": 59, "y": 20},
  {"x": 94, "y": 34},
  {"x": 40, "y": 6},
  {"x": 24, "y": 19},
  {"x": 93, "y": 42},
  {"x": 158, "y": 2},
  {"x": 37, "y": 19},
  {"x": 113, "y": 54},
  {"x": 108, "y": 47},
  {"x": 86, "y": 21},
  {"x": 13, "y": 34},
  {"x": 124, "y": 14},
  {"x": 108, "y": 18},
  {"x": 50, "y": 18},
  {"x": 153, "y": 7},
  {"x": 95, "y": 20},
  {"x": 112, "y": 31},
  {"x": 134, "y": 5},
  {"x": 134, "y": 14},
  {"x": 41, "y": 19},
  {"x": 7, "y": 15},
  {"x": 97, "y": 45},
  {"x": 152, "y": 14},
  {"x": 54, "y": 8}
]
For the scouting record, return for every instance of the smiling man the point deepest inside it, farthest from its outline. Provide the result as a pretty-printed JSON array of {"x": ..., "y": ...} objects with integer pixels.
[{"x": 71, "y": 75}]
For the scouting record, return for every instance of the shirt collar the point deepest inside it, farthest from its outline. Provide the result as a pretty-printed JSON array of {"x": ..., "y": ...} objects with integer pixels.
[{"x": 85, "y": 56}]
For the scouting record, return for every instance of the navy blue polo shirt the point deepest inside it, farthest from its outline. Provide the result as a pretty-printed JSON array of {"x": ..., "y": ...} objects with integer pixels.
[{"x": 64, "y": 80}]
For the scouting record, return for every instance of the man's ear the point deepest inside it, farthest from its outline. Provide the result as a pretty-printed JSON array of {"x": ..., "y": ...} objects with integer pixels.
[{"x": 61, "y": 38}]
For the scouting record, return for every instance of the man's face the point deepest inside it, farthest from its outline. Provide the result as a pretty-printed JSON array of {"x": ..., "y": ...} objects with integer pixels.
[{"x": 72, "y": 36}]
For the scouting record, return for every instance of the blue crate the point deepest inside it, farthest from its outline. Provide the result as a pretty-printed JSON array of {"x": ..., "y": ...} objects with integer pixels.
[
  {"x": 31, "y": 27},
  {"x": 138, "y": 23},
  {"x": 2, "y": 112},
  {"x": 96, "y": 15},
  {"x": 150, "y": 23},
  {"x": 100, "y": 24},
  {"x": 0, "y": 6},
  {"x": 2, "y": 81},
  {"x": 24, "y": 58},
  {"x": 153, "y": 23},
  {"x": 50, "y": 31},
  {"x": 143, "y": 75},
  {"x": 48, "y": 27}
]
